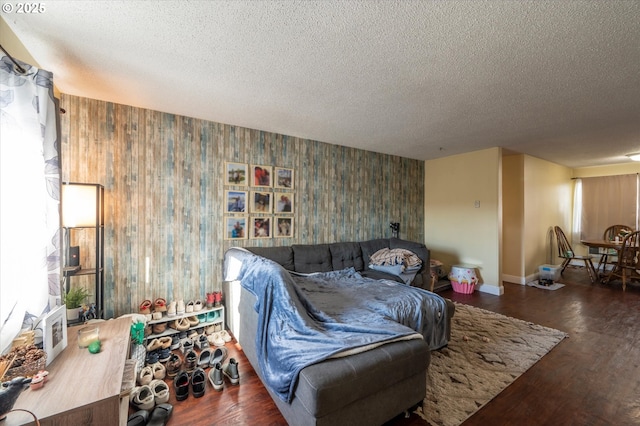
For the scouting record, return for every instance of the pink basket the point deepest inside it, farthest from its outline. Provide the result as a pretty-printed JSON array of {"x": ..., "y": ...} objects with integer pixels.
[{"x": 464, "y": 288}]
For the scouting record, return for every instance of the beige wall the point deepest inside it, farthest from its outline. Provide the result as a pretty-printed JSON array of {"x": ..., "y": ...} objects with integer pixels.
[
  {"x": 455, "y": 230},
  {"x": 513, "y": 216},
  {"x": 548, "y": 201}
]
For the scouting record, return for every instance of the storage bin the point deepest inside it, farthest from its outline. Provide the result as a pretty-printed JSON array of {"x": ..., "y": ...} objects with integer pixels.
[{"x": 549, "y": 272}]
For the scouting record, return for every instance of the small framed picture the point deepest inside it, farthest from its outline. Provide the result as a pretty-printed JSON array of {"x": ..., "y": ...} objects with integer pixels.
[
  {"x": 284, "y": 178},
  {"x": 261, "y": 202},
  {"x": 235, "y": 228},
  {"x": 261, "y": 227},
  {"x": 236, "y": 174},
  {"x": 236, "y": 201},
  {"x": 54, "y": 332},
  {"x": 261, "y": 175},
  {"x": 283, "y": 202},
  {"x": 284, "y": 227}
]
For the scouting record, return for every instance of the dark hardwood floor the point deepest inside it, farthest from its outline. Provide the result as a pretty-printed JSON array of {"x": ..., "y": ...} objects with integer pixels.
[{"x": 591, "y": 378}]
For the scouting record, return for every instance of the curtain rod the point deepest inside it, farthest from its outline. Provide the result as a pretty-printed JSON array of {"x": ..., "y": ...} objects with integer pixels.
[
  {"x": 18, "y": 66},
  {"x": 587, "y": 177}
]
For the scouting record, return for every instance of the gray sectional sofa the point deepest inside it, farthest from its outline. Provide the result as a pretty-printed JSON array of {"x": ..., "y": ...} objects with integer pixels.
[{"x": 366, "y": 388}]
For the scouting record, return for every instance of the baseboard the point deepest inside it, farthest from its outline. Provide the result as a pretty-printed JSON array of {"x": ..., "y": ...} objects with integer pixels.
[{"x": 491, "y": 289}]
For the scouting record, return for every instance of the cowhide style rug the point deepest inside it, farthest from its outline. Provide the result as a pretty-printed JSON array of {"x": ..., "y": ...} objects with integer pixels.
[{"x": 487, "y": 352}]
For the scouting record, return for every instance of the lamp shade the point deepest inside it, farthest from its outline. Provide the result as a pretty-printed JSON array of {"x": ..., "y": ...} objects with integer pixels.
[{"x": 79, "y": 205}]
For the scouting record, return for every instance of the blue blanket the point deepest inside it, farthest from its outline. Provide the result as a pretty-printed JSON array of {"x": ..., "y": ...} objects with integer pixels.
[{"x": 305, "y": 320}]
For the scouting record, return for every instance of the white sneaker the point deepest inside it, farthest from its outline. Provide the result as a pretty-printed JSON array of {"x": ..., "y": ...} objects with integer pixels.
[{"x": 180, "y": 307}]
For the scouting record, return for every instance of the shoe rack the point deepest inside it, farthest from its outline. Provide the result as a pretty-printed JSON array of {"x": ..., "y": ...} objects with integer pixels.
[{"x": 168, "y": 319}]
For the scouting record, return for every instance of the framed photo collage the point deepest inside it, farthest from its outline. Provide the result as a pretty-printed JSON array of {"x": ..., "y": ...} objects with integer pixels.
[{"x": 259, "y": 201}]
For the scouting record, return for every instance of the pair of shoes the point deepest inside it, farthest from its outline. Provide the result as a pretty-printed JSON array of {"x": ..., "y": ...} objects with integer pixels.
[
  {"x": 193, "y": 320},
  {"x": 189, "y": 307},
  {"x": 219, "y": 338},
  {"x": 230, "y": 370},
  {"x": 173, "y": 365},
  {"x": 196, "y": 381},
  {"x": 159, "y": 327},
  {"x": 164, "y": 354},
  {"x": 181, "y": 324}
]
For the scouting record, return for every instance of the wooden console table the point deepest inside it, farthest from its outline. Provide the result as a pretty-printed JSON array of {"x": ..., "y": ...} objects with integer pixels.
[{"x": 82, "y": 388}]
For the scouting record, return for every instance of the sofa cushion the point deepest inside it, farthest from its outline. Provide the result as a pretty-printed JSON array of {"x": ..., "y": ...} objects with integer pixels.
[
  {"x": 370, "y": 247},
  {"x": 281, "y": 255},
  {"x": 346, "y": 255},
  {"x": 312, "y": 258},
  {"x": 340, "y": 381}
]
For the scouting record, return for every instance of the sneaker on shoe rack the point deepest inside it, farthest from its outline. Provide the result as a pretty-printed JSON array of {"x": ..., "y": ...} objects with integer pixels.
[
  {"x": 216, "y": 377},
  {"x": 231, "y": 371},
  {"x": 186, "y": 345}
]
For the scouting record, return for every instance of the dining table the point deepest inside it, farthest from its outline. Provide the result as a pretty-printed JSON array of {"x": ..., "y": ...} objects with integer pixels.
[{"x": 606, "y": 245}]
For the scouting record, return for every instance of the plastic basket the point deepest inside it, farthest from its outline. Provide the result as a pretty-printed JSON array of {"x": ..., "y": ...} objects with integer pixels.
[{"x": 464, "y": 288}]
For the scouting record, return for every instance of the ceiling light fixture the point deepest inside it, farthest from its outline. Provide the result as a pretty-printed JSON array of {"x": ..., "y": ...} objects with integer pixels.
[{"x": 634, "y": 157}]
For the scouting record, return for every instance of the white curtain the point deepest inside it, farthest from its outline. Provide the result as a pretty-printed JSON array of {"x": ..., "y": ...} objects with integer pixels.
[
  {"x": 606, "y": 201},
  {"x": 29, "y": 198}
]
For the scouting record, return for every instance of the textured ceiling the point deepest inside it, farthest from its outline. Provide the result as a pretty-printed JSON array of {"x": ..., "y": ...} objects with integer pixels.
[{"x": 558, "y": 80}]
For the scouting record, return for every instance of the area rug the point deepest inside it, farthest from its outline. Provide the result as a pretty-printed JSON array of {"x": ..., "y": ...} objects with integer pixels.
[{"x": 487, "y": 352}]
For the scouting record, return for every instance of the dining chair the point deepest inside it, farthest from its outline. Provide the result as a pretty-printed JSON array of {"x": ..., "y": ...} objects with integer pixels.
[
  {"x": 610, "y": 256},
  {"x": 628, "y": 260},
  {"x": 565, "y": 251}
]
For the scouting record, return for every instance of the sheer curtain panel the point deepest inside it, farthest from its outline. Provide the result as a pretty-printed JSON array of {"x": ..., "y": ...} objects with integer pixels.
[
  {"x": 606, "y": 201},
  {"x": 29, "y": 198}
]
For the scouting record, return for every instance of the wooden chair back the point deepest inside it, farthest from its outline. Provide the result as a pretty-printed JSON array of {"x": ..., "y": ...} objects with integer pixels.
[
  {"x": 565, "y": 250},
  {"x": 611, "y": 232}
]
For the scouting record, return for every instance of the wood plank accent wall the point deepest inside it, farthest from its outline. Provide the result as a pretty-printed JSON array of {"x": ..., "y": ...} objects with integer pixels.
[{"x": 164, "y": 193}]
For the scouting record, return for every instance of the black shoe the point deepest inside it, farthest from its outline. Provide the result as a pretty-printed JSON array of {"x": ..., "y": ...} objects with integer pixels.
[
  {"x": 198, "y": 382},
  {"x": 181, "y": 385}
]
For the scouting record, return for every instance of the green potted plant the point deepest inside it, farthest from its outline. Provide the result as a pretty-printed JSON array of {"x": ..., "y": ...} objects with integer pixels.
[{"x": 74, "y": 299}]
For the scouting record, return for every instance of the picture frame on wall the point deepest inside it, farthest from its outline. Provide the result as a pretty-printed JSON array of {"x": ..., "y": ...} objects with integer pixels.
[
  {"x": 283, "y": 202},
  {"x": 54, "y": 332},
  {"x": 283, "y": 178},
  {"x": 284, "y": 227},
  {"x": 235, "y": 201},
  {"x": 262, "y": 175},
  {"x": 236, "y": 174},
  {"x": 261, "y": 227},
  {"x": 235, "y": 228},
  {"x": 261, "y": 202}
]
